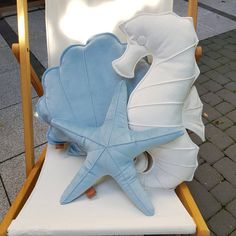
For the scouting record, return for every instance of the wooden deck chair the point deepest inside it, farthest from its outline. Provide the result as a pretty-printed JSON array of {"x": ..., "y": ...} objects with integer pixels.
[{"x": 34, "y": 211}]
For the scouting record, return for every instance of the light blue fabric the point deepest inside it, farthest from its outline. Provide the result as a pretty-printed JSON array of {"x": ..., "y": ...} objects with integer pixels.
[
  {"x": 81, "y": 88},
  {"x": 111, "y": 149}
]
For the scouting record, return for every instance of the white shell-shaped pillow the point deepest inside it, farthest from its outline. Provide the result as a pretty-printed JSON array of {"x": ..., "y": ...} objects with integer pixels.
[{"x": 166, "y": 95}]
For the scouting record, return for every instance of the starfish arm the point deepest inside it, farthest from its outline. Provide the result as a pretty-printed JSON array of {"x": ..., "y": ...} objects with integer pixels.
[
  {"x": 84, "y": 179},
  {"x": 153, "y": 137},
  {"x": 74, "y": 132},
  {"x": 117, "y": 110},
  {"x": 128, "y": 181}
]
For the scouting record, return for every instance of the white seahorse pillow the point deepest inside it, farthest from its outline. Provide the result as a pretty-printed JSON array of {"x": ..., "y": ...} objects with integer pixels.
[{"x": 166, "y": 95}]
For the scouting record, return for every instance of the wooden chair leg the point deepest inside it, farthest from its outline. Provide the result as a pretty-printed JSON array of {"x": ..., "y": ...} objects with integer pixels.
[
  {"x": 198, "y": 53},
  {"x": 186, "y": 198}
]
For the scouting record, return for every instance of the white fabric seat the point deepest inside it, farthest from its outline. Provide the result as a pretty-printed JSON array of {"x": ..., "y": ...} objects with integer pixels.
[{"x": 109, "y": 213}]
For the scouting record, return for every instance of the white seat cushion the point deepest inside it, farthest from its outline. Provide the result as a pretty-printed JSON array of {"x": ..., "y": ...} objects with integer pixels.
[{"x": 109, "y": 213}]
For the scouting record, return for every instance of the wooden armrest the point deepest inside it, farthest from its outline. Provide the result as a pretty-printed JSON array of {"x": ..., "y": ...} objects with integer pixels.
[{"x": 34, "y": 78}]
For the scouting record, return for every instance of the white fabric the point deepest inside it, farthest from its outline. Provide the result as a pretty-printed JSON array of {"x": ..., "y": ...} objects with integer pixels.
[
  {"x": 74, "y": 21},
  {"x": 192, "y": 113},
  {"x": 165, "y": 96},
  {"x": 109, "y": 213}
]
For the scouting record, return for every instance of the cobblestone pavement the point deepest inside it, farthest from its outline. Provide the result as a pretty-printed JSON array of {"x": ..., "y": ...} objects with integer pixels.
[{"x": 214, "y": 185}]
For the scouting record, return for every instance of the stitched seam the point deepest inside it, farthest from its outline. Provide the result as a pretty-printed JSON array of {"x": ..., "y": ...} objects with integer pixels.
[
  {"x": 155, "y": 104},
  {"x": 67, "y": 99},
  {"x": 88, "y": 172},
  {"x": 114, "y": 119},
  {"x": 167, "y": 82},
  {"x": 171, "y": 173},
  {"x": 89, "y": 86},
  {"x": 84, "y": 137},
  {"x": 154, "y": 125},
  {"x": 137, "y": 141},
  {"x": 130, "y": 188}
]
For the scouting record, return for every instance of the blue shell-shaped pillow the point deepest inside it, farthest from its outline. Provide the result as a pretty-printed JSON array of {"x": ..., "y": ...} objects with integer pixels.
[{"x": 81, "y": 88}]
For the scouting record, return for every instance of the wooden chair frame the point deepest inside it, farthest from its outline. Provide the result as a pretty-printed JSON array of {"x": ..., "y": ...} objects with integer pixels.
[{"x": 28, "y": 76}]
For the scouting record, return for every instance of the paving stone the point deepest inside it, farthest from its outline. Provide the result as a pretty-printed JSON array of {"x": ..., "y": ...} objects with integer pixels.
[
  {"x": 233, "y": 233},
  {"x": 38, "y": 151},
  {"x": 3, "y": 43},
  {"x": 223, "y": 223},
  {"x": 205, "y": 42},
  {"x": 212, "y": 114},
  {"x": 224, "y": 107},
  {"x": 200, "y": 89},
  {"x": 205, "y": 121},
  {"x": 214, "y": 46},
  {"x": 212, "y": 233},
  {"x": 3, "y": 202},
  {"x": 223, "y": 69},
  {"x": 207, "y": 204},
  {"x": 204, "y": 68},
  {"x": 231, "y": 207},
  {"x": 232, "y": 132},
  {"x": 231, "y": 86},
  {"x": 219, "y": 41},
  {"x": 231, "y": 75},
  {"x": 228, "y": 96},
  {"x": 231, "y": 152},
  {"x": 231, "y": 40},
  {"x": 223, "y": 60},
  {"x": 228, "y": 169},
  {"x": 230, "y": 47},
  {"x": 217, "y": 137},
  {"x": 208, "y": 176},
  {"x": 210, "y": 62},
  {"x": 205, "y": 48},
  {"x": 199, "y": 63},
  {"x": 210, "y": 152},
  {"x": 200, "y": 160},
  {"x": 212, "y": 86},
  {"x": 223, "y": 123},
  {"x": 223, "y": 36},
  {"x": 195, "y": 138},
  {"x": 7, "y": 60},
  {"x": 214, "y": 55},
  {"x": 232, "y": 115},
  {"x": 39, "y": 48},
  {"x": 11, "y": 130},
  {"x": 228, "y": 53},
  {"x": 224, "y": 192},
  {"x": 10, "y": 88},
  {"x": 232, "y": 32},
  {"x": 232, "y": 65},
  {"x": 13, "y": 175},
  {"x": 202, "y": 78},
  {"x": 217, "y": 77},
  {"x": 211, "y": 98}
]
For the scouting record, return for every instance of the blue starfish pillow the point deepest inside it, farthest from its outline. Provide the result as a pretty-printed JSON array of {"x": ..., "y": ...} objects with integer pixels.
[
  {"x": 81, "y": 88},
  {"x": 111, "y": 149}
]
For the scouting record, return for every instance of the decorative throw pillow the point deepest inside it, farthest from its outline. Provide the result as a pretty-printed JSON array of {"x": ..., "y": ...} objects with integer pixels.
[
  {"x": 81, "y": 88},
  {"x": 165, "y": 96},
  {"x": 111, "y": 149}
]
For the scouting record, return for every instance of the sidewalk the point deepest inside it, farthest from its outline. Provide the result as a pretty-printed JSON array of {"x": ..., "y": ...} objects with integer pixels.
[{"x": 214, "y": 185}]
